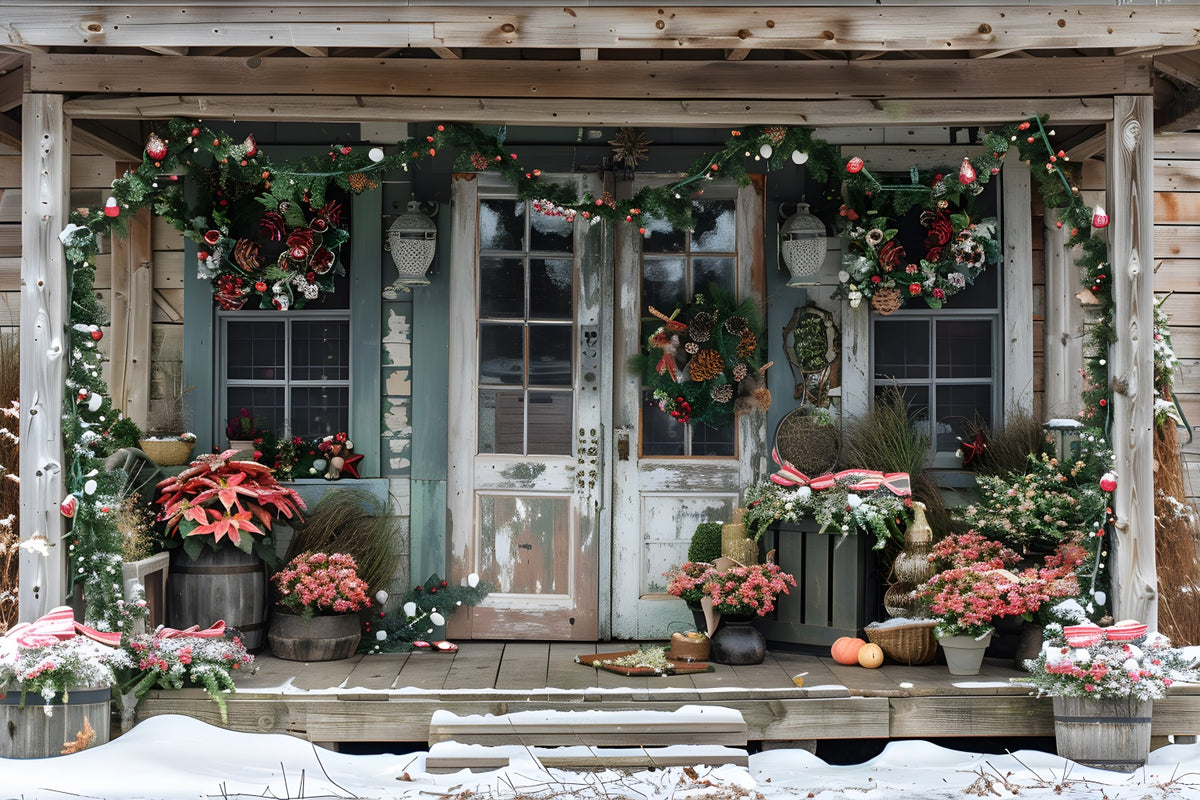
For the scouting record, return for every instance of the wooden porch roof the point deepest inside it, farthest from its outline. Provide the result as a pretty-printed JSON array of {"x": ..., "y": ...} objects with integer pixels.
[{"x": 602, "y": 63}]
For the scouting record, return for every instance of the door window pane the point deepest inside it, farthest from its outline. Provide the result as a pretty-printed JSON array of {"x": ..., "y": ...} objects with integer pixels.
[
  {"x": 661, "y": 236},
  {"x": 501, "y": 354},
  {"x": 525, "y": 544},
  {"x": 715, "y": 226},
  {"x": 551, "y": 288},
  {"x": 714, "y": 441},
  {"x": 661, "y": 434},
  {"x": 664, "y": 283},
  {"x": 719, "y": 271},
  {"x": 501, "y": 288},
  {"x": 501, "y": 224},
  {"x": 501, "y": 421},
  {"x": 550, "y": 355},
  {"x": 550, "y": 422},
  {"x": 548, "y": 234},
  {"x": 961, "y": 409}
]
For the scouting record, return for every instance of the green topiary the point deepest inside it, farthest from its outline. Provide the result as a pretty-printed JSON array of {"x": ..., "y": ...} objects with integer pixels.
[
  {"x": 706, "y": 543},
  {"x": 123, "y": 433}
]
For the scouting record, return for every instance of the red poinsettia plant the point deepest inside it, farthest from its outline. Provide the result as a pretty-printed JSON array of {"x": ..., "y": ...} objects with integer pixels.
[
  {"x": 321, "y": 584},
  {"x": 217, "y": 499}
]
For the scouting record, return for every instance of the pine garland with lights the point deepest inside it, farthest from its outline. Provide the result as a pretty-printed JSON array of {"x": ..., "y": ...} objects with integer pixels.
[{"x": 424, "y": 608}]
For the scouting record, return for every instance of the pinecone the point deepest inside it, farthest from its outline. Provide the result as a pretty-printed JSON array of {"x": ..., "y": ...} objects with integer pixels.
[
  {"x": 691, "y": 348},
  {"x": 747, "y": 345},
  {"x": 737, "y": 325},
  {"x": 707, "y": 365},
  {"x": 739, "y": 372},
  {"x": 722, "y": 393},
  {"x": 359, "y": 182},
  {"x": 245, "y": 255},
  {"x": 701, "y": 328}
]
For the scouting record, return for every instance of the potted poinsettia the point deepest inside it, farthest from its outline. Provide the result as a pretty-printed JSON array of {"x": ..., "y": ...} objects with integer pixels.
[{"x": 218, "y": 514}]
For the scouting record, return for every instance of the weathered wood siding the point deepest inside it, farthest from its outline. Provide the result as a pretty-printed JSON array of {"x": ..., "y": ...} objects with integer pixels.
[{"x": 1177, "y": 261}]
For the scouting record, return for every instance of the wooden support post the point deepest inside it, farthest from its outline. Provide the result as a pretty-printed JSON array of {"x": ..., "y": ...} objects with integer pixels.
[
  {"x": 130, "y": 307},
  {"x": 1063, "y": 324},
  {"x": 45, "y": 300},
  {"x": 1018, "y": 285},
  {"x": 1131, "y": 247}
]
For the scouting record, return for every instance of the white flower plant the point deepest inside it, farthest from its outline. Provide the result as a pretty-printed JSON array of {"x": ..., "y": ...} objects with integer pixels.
[
  {"x": 52, "y": 670},
  {"x": 837, "y": 510}
]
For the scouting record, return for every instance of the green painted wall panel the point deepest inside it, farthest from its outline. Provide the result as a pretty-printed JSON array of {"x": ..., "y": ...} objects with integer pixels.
[{"x": 427, "y": 529}]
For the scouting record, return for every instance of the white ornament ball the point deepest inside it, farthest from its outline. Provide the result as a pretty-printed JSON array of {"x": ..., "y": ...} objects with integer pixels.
[
  {"x": 799, "y": 157},
  {"x": 94, "y": 401},
  {"x": 381, "y": 635},
  {"x": 89, "y": 487},
  {"x": 381, "y": 596},
  {"x": 410, "y": 609},
  {"x": 375, "y": 154},
  {"x": 765, "y": 151},
  {"x": 473, "y": 580},
  {"x": 437, "y": 619},
  {"x": 320, "y": 464}
]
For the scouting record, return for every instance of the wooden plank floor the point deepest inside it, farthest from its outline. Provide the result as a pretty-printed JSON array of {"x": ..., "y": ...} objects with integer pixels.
[{"x": 382, "y": 698}]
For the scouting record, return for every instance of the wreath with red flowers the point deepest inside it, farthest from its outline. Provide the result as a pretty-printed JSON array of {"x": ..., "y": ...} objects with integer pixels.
[
  {"x": 291, "y": 261},
  {"x": 957, "y": 250}
]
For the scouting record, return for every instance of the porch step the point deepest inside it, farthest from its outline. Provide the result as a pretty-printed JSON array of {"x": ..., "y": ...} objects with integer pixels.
[{"x": 687, "y": 736}]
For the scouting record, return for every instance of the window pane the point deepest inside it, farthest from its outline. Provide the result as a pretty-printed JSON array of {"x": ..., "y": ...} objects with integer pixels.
[
  {"x": 661, "y": 434},
  {"x": 320, "y": 411},
  {"x": 916, "y": 401},
  {"x": 715, "y": 226},
  {"x": 551, "y": 288},
  {"x": 525, "y": 543},
  {"x": 551, "y": 234},
  {"x": 961, "y": 408},
  {"x": 256, "y": 350},
  {"x": 720, "y": 271},
  {"x": 710, "y": 441},
  {"x": 262, "y": 402},
  {"x": 501, "y": 421},
  {"x": 501, "y": 354},
  {"x": 662, "y": 237},
  {"x": 964, "y": 349},
  {"x": 501, "y": 288},
  {"x": 550, "y": 422},
  {"x": 901, "y": 349},
  {"x": 663, "y": 283},
  {"x": 321, "y": 351},
  {"x": 501, "y": 225},
  {"x": 550, "y": 355}
]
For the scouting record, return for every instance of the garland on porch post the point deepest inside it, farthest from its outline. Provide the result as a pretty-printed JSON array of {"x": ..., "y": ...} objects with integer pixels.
[{"x": 241, "y": 183}]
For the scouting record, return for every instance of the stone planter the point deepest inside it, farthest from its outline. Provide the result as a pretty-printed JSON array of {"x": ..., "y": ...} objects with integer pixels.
[
  {"x": 1110, "y": 734},
  {"x": 964, "y": 654},
  {"x": 330, "y": 638},
  {"x": 28, "y": 732}
]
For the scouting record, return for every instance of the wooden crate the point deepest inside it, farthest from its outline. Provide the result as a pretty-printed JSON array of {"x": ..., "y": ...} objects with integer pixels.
[{"x": 837, "y": 590}]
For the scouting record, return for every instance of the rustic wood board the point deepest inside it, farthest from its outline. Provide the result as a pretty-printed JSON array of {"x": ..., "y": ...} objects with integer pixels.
[
  {"x": 867, "y": 682},
  {"x": 999, "y": 715},
  {"x": 323, "y": 674},
  {"x": 376, "y": 671},
  {"x": 475, "y": 664},
  {"x": 524, "y": 666},
  {"x": 561, "y": 671},
  {"x": 425, "y": 670}
]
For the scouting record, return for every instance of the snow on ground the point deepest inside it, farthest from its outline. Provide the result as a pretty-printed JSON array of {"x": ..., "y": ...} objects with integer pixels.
[{"x": 180, "y": 758}]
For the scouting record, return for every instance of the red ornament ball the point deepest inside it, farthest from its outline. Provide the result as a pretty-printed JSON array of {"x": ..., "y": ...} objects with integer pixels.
[
  {"x": 97, "y": 335},
  {"x": 854, "y": 165}
]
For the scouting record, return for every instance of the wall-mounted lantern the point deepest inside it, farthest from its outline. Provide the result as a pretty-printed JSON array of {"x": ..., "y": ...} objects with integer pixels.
[
  {"x": 802, "y": 246},
  {"x": 411, "y": 239}
]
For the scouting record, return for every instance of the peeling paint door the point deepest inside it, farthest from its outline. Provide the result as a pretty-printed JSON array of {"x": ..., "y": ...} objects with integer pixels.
[
  {"x": 669, "y": 477},
  {"x": 524, "y": 488}
]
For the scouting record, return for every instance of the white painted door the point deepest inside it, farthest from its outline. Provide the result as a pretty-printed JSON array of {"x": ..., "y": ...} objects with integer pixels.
[
  {"x": 524, "y": 487},
  {"x": 669, "y": 477}
]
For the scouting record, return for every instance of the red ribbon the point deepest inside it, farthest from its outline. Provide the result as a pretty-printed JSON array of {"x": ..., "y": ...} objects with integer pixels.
[{"x": 864, "y": 480}]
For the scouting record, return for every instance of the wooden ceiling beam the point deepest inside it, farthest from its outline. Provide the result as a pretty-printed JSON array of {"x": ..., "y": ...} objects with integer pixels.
[
  {"x": 451, "y": 53},
  {"x": 10, "y": 132},
  {"x": 524, "y": 111},
  {"x": 313, "y": 52},
  {"x": 12, "y": 89},
  {"x": 167, "y": 51},
  {"x": 783, "y": 80},
  {"x": 106, "y": 141},
  {"x": 34, "y": 23},
  {"x": 1183, "y": 70},
  {"x": 737, "y": 54}
]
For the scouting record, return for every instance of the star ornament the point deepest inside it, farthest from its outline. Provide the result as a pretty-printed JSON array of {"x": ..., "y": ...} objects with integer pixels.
[{"x": 350, "y": 465}]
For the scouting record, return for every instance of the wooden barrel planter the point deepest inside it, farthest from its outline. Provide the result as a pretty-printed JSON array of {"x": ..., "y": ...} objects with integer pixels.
[
  {"x": 295, "y": 638},
  {"x": 219, "y": 584},
  {"x": 28, "y": 732},
  {"x": 1110, "y": 734}
]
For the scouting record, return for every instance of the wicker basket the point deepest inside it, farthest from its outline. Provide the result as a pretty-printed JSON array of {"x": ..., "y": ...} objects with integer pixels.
[
  {"x": 167, "y": 452},
  {"x": 906, "y": 644}
]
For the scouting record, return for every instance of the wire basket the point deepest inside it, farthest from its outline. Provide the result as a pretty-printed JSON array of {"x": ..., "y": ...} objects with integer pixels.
[
  {"x": 906, "y": 644},
  {"x": 167, "y": 452}
]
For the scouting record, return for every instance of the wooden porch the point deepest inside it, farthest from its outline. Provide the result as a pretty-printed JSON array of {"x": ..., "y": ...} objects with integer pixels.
[{"x": 390, "y": 698}]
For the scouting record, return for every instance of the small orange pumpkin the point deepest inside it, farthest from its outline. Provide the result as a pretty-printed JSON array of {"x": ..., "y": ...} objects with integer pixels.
[
  {"x": 870, "y": 656},
  {"x": 845, "y": 650}
]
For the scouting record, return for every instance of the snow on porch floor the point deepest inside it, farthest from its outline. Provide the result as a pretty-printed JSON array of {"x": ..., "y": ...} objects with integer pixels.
[{"x": 384, "y": 698}]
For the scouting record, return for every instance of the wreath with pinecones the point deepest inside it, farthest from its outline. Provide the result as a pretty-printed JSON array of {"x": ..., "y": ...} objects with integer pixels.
[{"x": 705, "y": 362}]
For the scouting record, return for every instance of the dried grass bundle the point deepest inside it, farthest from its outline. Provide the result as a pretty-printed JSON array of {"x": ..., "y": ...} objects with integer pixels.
[
  {"x": 10, "y": 489},
  {"x": 1010, "y": 445},
  {"x": 356, "y": 522},
  {"x": 1175, "y": 538}
]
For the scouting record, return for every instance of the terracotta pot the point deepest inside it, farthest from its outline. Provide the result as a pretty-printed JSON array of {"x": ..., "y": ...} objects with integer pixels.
[{"x": 329, "y": 638}]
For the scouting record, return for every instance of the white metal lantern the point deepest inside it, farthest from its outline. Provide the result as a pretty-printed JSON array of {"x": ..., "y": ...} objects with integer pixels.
[
  {"x": 411, "y": 239},
  {"x": 1065, "y": 434},
  {"x": 802, "y": 245}
]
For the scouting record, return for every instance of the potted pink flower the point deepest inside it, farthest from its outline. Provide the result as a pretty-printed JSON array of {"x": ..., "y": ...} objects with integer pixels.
[
  {"x": 739, "y": 594},
  {"x": 317, "y": 600}
]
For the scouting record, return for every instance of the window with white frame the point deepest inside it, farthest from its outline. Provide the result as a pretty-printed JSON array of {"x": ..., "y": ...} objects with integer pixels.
[
  {"x": 948, "y": 363},
  {"x": 290, "y": 369}
]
